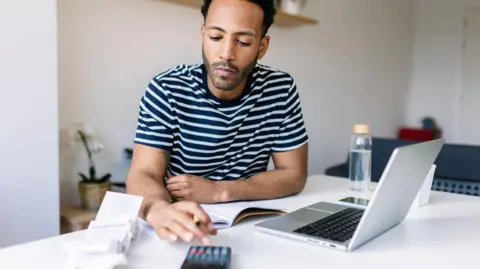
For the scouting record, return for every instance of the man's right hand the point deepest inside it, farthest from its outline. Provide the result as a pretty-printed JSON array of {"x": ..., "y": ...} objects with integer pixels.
[{"x": 173, "y": 221}]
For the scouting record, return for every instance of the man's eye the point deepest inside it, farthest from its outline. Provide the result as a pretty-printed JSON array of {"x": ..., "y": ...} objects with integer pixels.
[
  {"x": 245, "y": 44},
  {"x": 215, "y": 38}
]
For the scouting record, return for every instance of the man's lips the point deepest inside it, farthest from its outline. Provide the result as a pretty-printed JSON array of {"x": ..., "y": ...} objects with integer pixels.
[{"x": 225, "y": 72}]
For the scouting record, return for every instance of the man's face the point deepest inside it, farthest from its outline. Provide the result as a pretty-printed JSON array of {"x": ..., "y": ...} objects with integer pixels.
[{"x": 233, "y": 41}]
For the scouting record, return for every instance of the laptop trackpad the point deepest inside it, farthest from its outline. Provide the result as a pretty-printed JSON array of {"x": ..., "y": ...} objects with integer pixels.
[
  {"x": 314, "y": 212},
  {"x": 304, "y": 216},
  {"x": 327, "y": 207}
]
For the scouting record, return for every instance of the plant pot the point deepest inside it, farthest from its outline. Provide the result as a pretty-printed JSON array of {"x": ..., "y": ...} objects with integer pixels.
[{"x": 92, "y": 194}]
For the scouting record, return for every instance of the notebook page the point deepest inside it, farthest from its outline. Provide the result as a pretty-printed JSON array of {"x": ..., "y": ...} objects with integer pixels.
[
  {"x": 218, "y": 221},
  {"x": 223, "y": 214}
]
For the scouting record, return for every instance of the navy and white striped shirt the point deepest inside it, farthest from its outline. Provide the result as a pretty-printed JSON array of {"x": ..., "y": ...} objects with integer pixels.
[{"x": 218, "y": 139}]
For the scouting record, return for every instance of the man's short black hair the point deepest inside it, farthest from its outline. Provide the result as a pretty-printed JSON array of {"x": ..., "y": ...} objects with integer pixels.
[{"x": 268, "y": 7}]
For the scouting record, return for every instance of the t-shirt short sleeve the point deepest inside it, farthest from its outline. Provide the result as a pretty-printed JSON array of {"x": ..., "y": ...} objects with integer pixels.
[
  {"x": 155, "y": 118},
  {"x": 292, "y": 133}
]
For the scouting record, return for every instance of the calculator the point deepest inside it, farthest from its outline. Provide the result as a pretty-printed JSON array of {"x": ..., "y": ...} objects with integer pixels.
[{"x": 207, "y": 257}]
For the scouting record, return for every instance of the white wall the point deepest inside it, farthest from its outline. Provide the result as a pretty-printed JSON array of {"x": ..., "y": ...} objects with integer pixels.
[
  {"x": 437, "y": 66},
  {"x": 352, "y": 67},
  {"x": 29, "y": 179}
]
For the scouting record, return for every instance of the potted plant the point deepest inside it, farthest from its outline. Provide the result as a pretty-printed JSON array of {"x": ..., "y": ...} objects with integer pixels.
[{"x": 92, "y": 188}]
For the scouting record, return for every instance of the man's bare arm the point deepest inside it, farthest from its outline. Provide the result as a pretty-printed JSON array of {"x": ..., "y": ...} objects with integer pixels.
[
  {"x": 288, "y": 178},
  {"x": 145, "y": 177}
]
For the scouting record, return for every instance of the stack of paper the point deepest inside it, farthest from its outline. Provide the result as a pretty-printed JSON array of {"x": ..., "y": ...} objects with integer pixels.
[{"x": 108, "y": 237}]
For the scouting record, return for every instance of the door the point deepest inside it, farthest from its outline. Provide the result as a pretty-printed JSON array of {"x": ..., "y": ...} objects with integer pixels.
[{"x": 470, "y": 100}]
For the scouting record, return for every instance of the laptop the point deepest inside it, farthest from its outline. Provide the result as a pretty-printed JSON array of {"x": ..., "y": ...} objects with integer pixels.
[{"x": 345, "y": 226}]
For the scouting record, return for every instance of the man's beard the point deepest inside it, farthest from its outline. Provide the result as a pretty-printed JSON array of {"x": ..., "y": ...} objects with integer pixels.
[{"x": 227, "y": 85}]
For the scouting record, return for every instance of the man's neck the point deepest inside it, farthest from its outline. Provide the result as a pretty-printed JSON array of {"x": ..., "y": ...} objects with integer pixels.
[{"x": 226, "y": 95}]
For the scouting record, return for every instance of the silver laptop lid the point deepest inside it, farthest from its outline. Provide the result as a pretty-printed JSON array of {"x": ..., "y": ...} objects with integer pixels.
[{"x": 397, "y": 189}]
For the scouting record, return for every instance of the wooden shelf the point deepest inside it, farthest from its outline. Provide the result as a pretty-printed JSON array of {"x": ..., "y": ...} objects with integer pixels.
[{"x": 282, "y": 18}]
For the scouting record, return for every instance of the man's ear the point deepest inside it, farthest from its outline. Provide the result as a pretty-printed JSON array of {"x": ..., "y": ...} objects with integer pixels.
[
  {"x": 264, "y": 43},
  {"x": 202, "y": 32}
]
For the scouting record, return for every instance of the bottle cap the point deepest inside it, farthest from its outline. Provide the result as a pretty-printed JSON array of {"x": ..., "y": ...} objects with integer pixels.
[{"x": 361, "y": 129}]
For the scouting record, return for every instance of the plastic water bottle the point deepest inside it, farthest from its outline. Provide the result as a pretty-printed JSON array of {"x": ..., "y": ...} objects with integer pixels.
[{"x": 360, "y": 166}]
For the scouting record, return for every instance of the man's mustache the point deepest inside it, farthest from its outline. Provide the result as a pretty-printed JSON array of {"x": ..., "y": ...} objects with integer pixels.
[{"x": 226, "y": 65}]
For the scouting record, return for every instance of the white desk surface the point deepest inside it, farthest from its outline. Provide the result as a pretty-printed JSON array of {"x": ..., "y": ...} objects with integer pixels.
[{"x": 442, "y": 234}]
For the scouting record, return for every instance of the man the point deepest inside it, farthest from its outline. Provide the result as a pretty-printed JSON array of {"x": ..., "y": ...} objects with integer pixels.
[{"x": 206, "y": 132}]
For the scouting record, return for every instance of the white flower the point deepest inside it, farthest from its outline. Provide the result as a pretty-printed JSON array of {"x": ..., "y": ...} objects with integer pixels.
[
  {"x": 94, "y": 145},
  {"x": 85, "y": 128}
]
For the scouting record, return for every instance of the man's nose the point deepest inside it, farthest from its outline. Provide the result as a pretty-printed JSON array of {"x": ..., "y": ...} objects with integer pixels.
[{"x": 228, "y": 51}]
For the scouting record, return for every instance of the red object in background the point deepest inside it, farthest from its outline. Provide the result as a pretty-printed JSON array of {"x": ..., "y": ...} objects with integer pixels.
[{"x": 416, "y": 134}]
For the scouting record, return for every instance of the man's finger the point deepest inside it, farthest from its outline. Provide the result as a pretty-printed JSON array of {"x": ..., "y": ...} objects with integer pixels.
[
  {"x": 208, "y": 228},
  {"x": 176, "y": 186},
  {"x": 211, "y": 229},
  {"x": 165, "y": 233},
  {"x": 173, "y": 179},
  {"x": 194, "y": 209},
  {"x": 187, "y": 222},
  {"x": 176, "y": 194},
  {"x": 176, "y": 179},
  {"x": 180, "y": 231}
]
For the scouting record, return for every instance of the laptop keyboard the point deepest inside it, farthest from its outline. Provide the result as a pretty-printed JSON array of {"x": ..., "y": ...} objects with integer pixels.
[{"x": 337, "y": 227}]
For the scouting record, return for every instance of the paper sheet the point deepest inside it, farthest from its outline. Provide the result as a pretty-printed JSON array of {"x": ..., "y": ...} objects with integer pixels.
[{"x": 119, "y": 206}]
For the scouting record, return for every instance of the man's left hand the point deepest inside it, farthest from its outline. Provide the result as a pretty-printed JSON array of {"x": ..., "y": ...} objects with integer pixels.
[{"x": 193, "y": 188}]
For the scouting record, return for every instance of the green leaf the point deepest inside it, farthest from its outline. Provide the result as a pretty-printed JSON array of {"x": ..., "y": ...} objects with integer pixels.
[
  {"x": 105, "y": 177},
  {"x": 128, "y": 153},
  {"x": 84, "y": 178},
  {"x": 92, "y": 173}
]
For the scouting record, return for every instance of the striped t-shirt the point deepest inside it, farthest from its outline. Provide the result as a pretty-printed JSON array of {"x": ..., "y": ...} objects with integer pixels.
[{"x": 218, "y": 139}]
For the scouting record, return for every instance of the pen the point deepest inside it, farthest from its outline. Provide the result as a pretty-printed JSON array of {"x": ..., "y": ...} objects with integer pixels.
[{"x": 196, "y": 220}]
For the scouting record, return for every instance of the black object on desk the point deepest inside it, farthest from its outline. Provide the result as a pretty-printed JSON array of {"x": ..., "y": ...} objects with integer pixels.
[{"x": 207, "y": 257}]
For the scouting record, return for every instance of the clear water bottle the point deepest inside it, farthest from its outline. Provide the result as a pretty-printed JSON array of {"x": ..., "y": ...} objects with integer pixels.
[{"x": 360, "y": 166}]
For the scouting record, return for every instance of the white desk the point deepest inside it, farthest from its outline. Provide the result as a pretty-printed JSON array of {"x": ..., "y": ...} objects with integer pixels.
[{"x": 443, "y": 234}]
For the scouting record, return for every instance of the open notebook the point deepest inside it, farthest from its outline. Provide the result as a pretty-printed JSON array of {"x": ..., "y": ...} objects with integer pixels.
[{"x": 228, "y": 214}]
